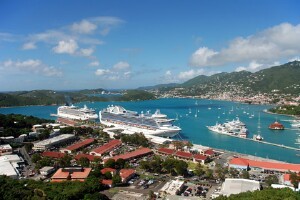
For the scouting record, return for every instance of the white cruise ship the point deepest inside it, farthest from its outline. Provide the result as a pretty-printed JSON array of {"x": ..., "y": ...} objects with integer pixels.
[
  {"x": 76, "y": 113},
  {"x": 152, "y": 124}
]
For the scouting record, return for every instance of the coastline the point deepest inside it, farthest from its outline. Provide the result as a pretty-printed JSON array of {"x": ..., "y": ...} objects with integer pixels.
[{"x": 294, "y": 116}]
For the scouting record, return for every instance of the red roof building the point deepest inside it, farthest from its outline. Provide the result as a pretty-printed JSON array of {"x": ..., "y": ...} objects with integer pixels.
[
  {"x": 126, "y": 174},
  {"x": 200, "y": 158},
  {"x": 184, "y": 155},
  {"x": 134, "y": 154},
  {"x": 166, "y": 151},
  {"x": 106, "y": 147},
  {"x": 276, "y": 126},
  {"x": 108, "y": 169},
  {"x": 264, "y": 165},
  {"x": 209, "y": 152},
  {"x": 52, "y": 154},
  {"x": 90, "y": 157},
  {"x": 78, "y": 145},
  {"x": 107, "y": 182},
  {"x": 72, "y": 174}
]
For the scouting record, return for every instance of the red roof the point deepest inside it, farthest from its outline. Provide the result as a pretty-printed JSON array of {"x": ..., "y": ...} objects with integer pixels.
[
  {"x": 108, "y": 169},
  {"x": 107, "y": 147},
  {"x": 125, "y": 173},
  {"x": 276, "y": 125},
  {"x": 266, "y": 165},
  {"x": 107, "y": 182},
  {"x": 53, "y": 154},
  {"x": 59, "y": 174},
  {"x": 286, "y": 177},
  {"x": 200, "y": 157},
  {"x": 90, "y": 157},
  {"x": 209, "y": 152},
  {"x": 166, "y": 151},
  {"x": 80, "y": 144},
  {"x": 183, "y": 154},
  {"x": 133, "y": 154}
]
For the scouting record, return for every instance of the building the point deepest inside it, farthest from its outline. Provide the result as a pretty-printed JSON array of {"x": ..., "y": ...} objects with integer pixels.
[
  {"x": 200, "y": 158},
  {"x": 90, "y": 157},
  {"x": 243, "y": 163},
  {"x": 55, "y": 141},
  {"x": 108, "y": 169},
  {"x": 133, "y": 155},
  {"x": 10, "y": 165},
  {"x": 126, "y": 174},
  {"x": 236, "y": 186},
  {"x": 45, "y": 171},
  {"x": 71, "y": 174},
  {"x": 166, "y": 151},
  {"x": 77, "y": 146},
  {"x": 184, "y": 155},
  {"x": 172, "y": 187},
  {"x": 106, "y": 148},
  {"x": 107, "y": 182},
  {"x": 52, "y": 154},
  {"x": 5, "y": 149}
]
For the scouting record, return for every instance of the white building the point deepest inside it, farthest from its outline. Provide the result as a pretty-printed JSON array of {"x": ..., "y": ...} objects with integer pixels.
[
  {"x": 46, "y": 144},
  {"x": 45, "y": 171},
  {"x": 5, "y": 149},
  {"x": 172, "y": 187},
  {"x": 236, "y": 186},
  {"x": 9, "y": 165}
]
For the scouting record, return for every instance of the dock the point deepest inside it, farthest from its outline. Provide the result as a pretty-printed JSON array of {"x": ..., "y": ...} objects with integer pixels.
[{"x": 265, "y": 142}]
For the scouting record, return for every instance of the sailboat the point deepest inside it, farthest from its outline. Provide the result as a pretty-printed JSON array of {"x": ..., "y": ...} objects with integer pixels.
[
  {"x": 196, "y": 114},
  {"x": 258, "y": 136},
  {"x": 190, "y": 111},
  {"x": 196, "y": 103}
]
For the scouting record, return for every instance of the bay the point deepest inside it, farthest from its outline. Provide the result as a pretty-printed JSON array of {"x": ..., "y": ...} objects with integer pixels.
[{"x": 194, "y": 127}]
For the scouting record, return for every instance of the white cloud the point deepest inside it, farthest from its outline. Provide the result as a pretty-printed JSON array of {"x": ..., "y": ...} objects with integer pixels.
[
  {"x": 68, "y": 47},
  {"x": 32, "y": 66},
  {"x": 86, "y": 52},
  {"x": 101, "y": 72},
  {"x": 94, "y": 64},
  {"x": 254, "y": 66},
  {"x": 122, "y": 65},
  {"x": 29, "y": 46},
  {"x": 168, "y": 73},
  {"x": 296, "y": 58},
  {"x": 190, "y": 74},
  {"x": 275, "y": 43},
  {"x": 84, "y": 27}
]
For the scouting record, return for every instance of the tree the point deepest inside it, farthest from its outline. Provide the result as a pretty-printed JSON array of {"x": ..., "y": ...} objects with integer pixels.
[
  {"x": 65, "y": 161},
  {"x": 245, "y": 174},
  {"x": 120, "y": 163},
  {"x": 271, "y": 179},
  {"x": 116, "y": 179},
  {"x": 169, "y": 164},
  {"x": 108, "y": 175},
  {"x": 295, "y": 179},
  {"x": 181, "y": 167},
  {"x": 28, "y": 147},
  {"x": 110, "y": 163},
  {"x": 36, "y": 157},
  {"x": 233, "y": 172},
  {"x": 199, "y": 170},
  {"x": 209, "y": 173},
  {"x": 84, "y": 162}
]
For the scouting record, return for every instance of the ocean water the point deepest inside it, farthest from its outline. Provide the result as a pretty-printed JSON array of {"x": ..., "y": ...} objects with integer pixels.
[{"x": 194, "y": 127}]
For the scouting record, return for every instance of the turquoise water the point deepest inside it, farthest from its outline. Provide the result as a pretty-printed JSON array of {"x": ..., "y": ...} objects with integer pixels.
[{"x": 194, "y": 128}]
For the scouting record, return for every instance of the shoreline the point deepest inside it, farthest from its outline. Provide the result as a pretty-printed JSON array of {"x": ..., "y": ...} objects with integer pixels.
[{"x": 294, "y": 116}]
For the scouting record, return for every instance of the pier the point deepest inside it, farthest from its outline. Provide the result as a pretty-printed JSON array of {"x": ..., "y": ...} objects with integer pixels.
[{"x": 264, "y": 142}]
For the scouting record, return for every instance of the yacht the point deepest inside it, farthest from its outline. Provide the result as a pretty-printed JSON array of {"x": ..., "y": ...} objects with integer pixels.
[
  {"x": 76, "y": 113},
  {"x": 152, "y": 124}
]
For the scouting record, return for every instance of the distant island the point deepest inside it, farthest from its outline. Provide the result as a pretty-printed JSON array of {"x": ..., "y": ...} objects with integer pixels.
[{"x": 51, "y": 97}]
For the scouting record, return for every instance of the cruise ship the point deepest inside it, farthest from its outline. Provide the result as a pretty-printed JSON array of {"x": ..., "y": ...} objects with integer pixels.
[
  {"x": 76, "y": 113},
  {"x": 152, "y": 124}
]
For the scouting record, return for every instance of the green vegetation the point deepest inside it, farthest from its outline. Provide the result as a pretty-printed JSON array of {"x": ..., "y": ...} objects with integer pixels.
[
  {"x": 169, "y": 165},
  {"x": 271, "y": 179},
  {"x": 266, "y": 194},
  {"x": 50, "y": 97},
  {"x": 16, "y": 125},
  {"x": 286, "y": 110},
  {"x": 69, "y": 190},
  {"x": 136, "y": 139}
]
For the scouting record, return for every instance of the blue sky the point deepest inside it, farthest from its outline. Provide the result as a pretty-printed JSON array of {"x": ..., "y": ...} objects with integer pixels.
[{"x": 126, "y": 44}]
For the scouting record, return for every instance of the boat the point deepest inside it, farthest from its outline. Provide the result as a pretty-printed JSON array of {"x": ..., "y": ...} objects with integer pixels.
[
  {"x": 276, "y": 126},
  {"x": 232, "y": 128},
  {"x": 258, "y": 137},
  {"x": 150, "y": 124},
  {"x": 75, "y": 113}
]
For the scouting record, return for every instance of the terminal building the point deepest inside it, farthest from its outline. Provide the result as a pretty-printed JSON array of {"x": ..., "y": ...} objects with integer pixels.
[
  {"x": 10, "y": 165},
  {"x": 55, "y": 141}
]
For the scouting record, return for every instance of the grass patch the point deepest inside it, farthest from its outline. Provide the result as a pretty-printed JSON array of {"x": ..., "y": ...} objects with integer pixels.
[
  {"x": 192, "y": 165},
  {"x": 113, "y": 190}
]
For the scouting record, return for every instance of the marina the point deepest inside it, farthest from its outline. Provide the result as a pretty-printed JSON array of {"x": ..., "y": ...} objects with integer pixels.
[{"x": 194, "y": 128}]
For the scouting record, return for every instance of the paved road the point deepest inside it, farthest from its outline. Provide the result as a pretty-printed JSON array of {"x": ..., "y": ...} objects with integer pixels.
[{"x": 26, "y": 156}]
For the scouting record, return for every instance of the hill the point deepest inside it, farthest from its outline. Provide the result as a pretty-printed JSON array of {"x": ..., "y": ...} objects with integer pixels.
[{"x": 159, "y": 86}]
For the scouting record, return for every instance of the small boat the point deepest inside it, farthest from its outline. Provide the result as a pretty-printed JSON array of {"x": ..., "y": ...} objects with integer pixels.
[
  {"x": 258, "y": 137},
  {"x": 276, "y": 126}
]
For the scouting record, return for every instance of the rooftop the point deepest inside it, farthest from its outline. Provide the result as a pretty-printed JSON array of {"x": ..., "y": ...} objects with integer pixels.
[
  {"x": 106, "y": 147},
  {"x": 108, "y": 169},
  {"x": 166, "y": 151},
  {"x": 53, "y": 154},
  {"x": 133, "y": 154},
  {"x": 80, "y": 144},
  {"x": 54, "y": 139},
  {"x": 125, "y": 173},
  {"x": 236, "y": 186},
  {"x": 184, "y": 154},
  {"x": 60, "y": 174},
  {"x": 200, "y": 157},
  {"x": 90, "y": 157},
  {"x": 5, "y": 146},
  {"x": 265, "y": 165}
]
